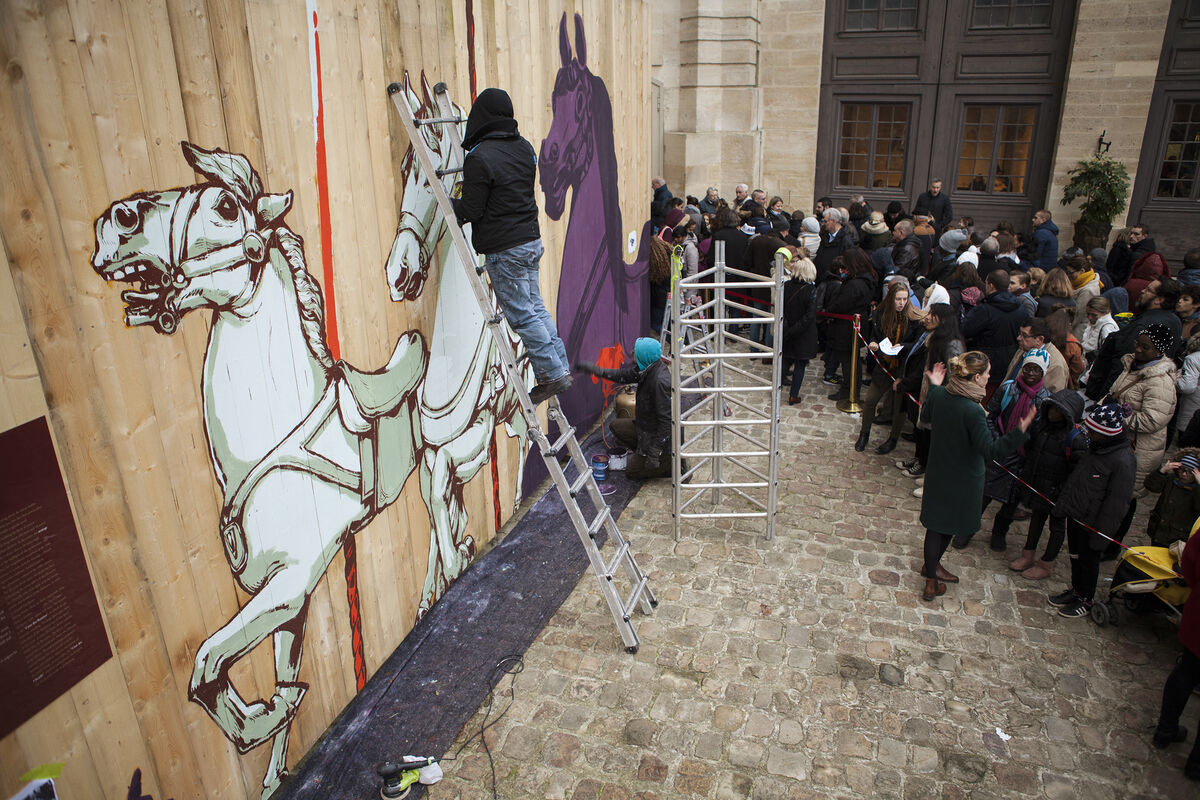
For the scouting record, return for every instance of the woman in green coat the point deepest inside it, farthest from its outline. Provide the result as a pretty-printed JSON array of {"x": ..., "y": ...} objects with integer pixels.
[{"x": 960, "y": 447}]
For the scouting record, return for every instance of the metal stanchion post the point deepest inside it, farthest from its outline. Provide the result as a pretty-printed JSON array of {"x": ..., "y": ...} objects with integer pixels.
[{"x": 850, "y": 404}]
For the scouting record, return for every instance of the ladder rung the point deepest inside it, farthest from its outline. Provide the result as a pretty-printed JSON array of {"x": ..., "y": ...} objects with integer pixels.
[
  {"x": 566, "y": 436},
  {"x": 604, "y": 516},
  {"x": 580, "y": 482},
  {"x": 448, "y": 171},
  {"x": 435, "y": 121},
  {"x": 611, "y": 567},
  {"x": 634, "y": 597}
]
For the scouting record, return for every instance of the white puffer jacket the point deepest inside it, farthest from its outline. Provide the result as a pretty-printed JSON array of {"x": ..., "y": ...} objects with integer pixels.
[{"x": 1150, "y": 391}]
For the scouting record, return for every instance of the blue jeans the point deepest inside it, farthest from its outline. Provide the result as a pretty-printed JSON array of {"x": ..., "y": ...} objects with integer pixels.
[{"x": 514, "y": 274}]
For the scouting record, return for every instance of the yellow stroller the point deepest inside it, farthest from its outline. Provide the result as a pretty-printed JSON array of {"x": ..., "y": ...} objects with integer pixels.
[{"x": 1144, "y": 578}]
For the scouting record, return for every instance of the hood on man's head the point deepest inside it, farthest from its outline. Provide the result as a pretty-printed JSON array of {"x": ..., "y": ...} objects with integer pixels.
[
  {"x": 646, "y": 351},
  {"x": 492, "y": 112},
  {"x": 1068, "y": 402}
]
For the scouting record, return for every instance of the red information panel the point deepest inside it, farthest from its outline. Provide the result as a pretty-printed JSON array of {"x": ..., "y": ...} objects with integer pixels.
[{"x": 51, "y": 632}]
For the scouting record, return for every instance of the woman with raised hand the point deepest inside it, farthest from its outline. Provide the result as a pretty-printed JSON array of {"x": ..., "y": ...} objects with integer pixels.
[
  {"x": 942, "y": 342},
  {"x": 961, "y": 444}
]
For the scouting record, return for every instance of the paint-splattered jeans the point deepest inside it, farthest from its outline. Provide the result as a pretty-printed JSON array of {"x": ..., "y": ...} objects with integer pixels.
[{"x": 514, "y": 274}]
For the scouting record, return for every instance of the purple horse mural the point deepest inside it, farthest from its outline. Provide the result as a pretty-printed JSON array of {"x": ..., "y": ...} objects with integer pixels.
[{"x": 603, "y": 303}]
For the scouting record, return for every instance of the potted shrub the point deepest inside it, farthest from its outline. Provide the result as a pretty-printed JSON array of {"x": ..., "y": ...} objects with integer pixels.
[{"x": 1102, "y": 183}]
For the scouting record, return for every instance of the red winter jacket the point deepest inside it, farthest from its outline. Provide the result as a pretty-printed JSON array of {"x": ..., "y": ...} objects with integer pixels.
[
  {"x": 1189, "y": 566},
  {"x": 1148, "y": 269}
]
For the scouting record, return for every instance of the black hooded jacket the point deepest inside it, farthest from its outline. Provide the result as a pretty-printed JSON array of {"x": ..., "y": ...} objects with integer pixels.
[
  {"x": 1054, "y": 449},
  {"x": 992, "y": 327},
  {"x": 1098, "y": 491},
  {"x": 498, "y": 175}
]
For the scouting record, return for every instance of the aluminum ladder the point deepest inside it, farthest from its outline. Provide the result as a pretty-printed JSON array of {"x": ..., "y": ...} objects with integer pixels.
[{"x": 622, "y": 561}]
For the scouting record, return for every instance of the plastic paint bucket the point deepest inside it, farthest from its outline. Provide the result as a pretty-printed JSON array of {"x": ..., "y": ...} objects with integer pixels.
[{"x": 617, "y": 458}]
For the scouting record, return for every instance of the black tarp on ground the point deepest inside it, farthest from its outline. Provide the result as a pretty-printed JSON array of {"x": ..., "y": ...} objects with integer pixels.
[{"x": 421, "y": 697}]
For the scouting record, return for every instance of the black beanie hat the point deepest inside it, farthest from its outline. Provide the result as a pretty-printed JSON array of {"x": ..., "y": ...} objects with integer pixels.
[{"x": 894, "y": 207}]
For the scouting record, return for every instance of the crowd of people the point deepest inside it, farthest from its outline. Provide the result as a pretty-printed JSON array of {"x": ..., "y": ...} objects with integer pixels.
[{"x": 1054, "y": 383}]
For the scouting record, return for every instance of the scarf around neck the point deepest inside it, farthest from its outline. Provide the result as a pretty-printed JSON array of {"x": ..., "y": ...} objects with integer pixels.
[
  {"x": 1083, "y": 279},
  {"x": 1024, "y": 395},
  {"x": 964, "y": 387}
]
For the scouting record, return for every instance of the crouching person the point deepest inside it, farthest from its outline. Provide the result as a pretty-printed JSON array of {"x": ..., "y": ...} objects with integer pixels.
[{"x": 648, "y": 435}]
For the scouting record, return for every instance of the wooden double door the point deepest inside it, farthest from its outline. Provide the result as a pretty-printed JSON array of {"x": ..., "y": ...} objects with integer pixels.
[
  {"x": 966, "y": 91},
  {"x": 1166, "y": 194}
]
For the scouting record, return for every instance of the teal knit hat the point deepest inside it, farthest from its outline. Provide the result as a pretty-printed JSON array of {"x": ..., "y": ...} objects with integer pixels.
[{"x": 646, "y": 351}]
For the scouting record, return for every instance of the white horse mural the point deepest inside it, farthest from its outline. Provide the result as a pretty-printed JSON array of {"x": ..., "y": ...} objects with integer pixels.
[{"x": 306, "y": 449}]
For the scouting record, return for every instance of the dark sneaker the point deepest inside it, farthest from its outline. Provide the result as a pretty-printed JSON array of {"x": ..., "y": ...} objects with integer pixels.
[
  {"x": 1162, "y": 740},
  {"x": 544, "y": 391},
  {"x": 1063, "y": 598},
  {"x": 831, "y": 380},
  {"x": 915, "y": 471},
  {"x": 1076, "y": 608},
  {"x": 905, "y": 466}
]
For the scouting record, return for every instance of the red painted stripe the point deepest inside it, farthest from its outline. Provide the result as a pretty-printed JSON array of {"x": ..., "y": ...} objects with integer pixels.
[
  {"x": 331, "y": 334},
  {"x": 471, "y": 46},
  {"x": 326, "y": 225}
]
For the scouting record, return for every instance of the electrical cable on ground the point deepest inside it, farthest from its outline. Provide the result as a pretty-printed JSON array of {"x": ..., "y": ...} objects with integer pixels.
[{"x": 512, "y": 664}]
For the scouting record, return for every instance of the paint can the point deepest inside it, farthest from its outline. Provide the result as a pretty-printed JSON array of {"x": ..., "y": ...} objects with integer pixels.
[
  {"x": 617, "y": 458},
  {"x": 600, "y": 466}
]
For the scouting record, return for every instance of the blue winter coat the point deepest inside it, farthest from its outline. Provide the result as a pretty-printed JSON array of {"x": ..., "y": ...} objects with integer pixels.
[{"x": 1045, "y": 243}]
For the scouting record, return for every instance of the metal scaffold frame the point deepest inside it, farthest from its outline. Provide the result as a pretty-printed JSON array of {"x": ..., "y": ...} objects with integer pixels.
[{"x": 729, "y": 440}]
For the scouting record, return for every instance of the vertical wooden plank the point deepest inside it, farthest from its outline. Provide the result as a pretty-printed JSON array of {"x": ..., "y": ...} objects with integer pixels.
[
  {"x": 20, "y": 384},
  {"x": 34, "y": 246},
  {"x": 230, "y": 34},
  {"x": 169, "y": 484},
  {"x": 54, "y": 734},
  {"x": 280, "y": 55},
  {"x": 114, "y": 738}
]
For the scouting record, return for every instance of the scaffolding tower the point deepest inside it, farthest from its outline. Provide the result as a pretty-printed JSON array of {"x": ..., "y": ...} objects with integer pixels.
[{"x": 726, "y": 445}]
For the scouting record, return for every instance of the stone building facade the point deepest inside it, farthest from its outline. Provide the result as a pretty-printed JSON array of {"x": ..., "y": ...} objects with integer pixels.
[{"x": 758, "y": 91}]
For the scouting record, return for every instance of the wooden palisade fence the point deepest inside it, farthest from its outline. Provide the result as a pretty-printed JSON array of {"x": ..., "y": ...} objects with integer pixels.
[{"x": 96, "y": 100}]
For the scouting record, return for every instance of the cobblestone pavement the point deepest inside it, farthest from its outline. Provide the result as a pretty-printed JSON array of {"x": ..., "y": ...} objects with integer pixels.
[{"x": 808, "y": 667}]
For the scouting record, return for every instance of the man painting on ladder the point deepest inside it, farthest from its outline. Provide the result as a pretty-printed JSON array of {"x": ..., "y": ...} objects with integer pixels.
[{"x": 497, "y": 199}]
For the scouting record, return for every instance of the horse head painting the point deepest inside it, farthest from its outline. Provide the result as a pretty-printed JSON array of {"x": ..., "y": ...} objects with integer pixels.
[
  {"x": 603, "y": 303},
  {"x": 306, "y": 449}
]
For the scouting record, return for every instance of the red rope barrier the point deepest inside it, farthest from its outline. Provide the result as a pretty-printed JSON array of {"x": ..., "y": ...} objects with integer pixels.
[
  {"x": 1012, "y": 474},
  {"x": 740, "y": 296}
]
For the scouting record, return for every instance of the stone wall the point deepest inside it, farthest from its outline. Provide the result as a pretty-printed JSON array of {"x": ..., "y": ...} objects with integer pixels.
[
  {"x": 790, "y": 70},
  {"x": 1109, "y": 85},
  {"x": 741, "y": 83}
]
